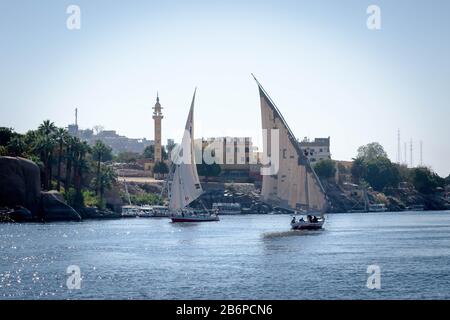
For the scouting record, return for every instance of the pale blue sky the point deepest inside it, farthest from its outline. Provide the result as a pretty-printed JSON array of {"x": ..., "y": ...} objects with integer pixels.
[{"x": 328, "y": 74}]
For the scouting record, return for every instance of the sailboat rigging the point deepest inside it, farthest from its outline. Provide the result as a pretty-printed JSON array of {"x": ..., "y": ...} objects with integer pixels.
[
  {"x": 184, "y": 185},
  {"x": 295, "y": 186}
]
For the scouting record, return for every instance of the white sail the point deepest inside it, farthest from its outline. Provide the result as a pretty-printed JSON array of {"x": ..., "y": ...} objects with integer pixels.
[
  {"x": 295, "y": 185},
  {"x": 184, "y": 184}
]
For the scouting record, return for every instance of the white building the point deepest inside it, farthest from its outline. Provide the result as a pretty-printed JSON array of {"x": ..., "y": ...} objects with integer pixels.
[{"x": 317, "y": 149}]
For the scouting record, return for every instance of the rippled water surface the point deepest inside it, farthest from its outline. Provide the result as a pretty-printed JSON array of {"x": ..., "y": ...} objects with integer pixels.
[{"x": 240, "y": 257}]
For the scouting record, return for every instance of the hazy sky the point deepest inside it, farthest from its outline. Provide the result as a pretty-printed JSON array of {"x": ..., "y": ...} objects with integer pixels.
[{"x": 326, "y": 71}]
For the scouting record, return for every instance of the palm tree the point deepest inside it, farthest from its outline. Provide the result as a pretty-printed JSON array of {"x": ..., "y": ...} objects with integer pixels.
[
  {"x": 105, "y": 181},
  {"x": 44, "y": 145},
  {"x": 47, "y": 128},
  {"x": 16, "y": 146},
  {"x": 100, "y": 153},
  {"x": 61, "y": 136},
  {"x": 80, "y": 166},
  {"x": 70, "y": 147}
]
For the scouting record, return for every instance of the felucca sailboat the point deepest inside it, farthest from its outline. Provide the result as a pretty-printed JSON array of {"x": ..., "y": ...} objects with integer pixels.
[
  {"x": 295, "y": 185},
  {"x": 183, "y": 183}
]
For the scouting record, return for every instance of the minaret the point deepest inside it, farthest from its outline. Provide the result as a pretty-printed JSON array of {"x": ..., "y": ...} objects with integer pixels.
[{"x": 157, "y": 116}]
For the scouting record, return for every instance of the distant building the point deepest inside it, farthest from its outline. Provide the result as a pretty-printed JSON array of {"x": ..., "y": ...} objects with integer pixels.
[
  {"x": 316, "y": 150},
  {"x": 117, "y": 142},
  {"x": 73, "y": 129},
  {"x": 236, "y": 155}
]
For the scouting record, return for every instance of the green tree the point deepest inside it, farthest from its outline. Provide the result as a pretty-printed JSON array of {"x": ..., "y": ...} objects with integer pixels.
[
  {"x": 71, "y": 144},
  {"x": 325, "y": 169},
  {"x": 47, "y": 128},
  {"x": 371, "y": 151},
  {"x": 101, "y": 153},
  {"x": 44, "y": 146},
  {"x": 80, "y": 167},
  {"x": 426, "y": 181},
  {"x": 61, "y": 137},
  {"x": 144, "y": 199},
  {"x": 16, "y": 146},
  {"x": 358, "y": 169},
  {"x": 381, "y": 173},
  {"x": 105, "y": 181},
  {"x": 149, "y": 153},
  {"x": 208, "y": 170},
  {"x": 6, "y": 135},
  {"x": 161, "y": 168}
]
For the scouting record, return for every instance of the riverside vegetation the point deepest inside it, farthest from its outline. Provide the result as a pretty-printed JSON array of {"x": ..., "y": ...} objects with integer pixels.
[{"x": 83, "y": 174}]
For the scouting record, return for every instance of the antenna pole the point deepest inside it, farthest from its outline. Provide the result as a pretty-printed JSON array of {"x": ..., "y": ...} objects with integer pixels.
[
  {"x": 421, "y": 153},
  {"x": 399, "y": 150}
]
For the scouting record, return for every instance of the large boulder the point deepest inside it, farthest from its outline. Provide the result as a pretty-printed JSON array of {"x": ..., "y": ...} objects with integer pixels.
[
  {"x": 20, "y": 184},
  {"x": 54, "y": 208}
]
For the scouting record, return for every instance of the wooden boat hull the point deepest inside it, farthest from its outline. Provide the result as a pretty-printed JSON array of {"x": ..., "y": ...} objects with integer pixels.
[
  {"x": 303, "y": 225},
  {"x": 195, "y": 219}
]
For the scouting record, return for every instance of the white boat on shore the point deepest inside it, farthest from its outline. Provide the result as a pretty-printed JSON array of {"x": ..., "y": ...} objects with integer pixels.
[
  {"x": 194, "y": 215},
  {"x": 160, "y": 211},
  {"x": 131, "y": 211}
]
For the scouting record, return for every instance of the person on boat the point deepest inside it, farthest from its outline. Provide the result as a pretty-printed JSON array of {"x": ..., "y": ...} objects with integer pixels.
[
  {"x": 301, "y": 220},
  {"x": 309, "y": 218},
  {"x": 293, "y": 220}
]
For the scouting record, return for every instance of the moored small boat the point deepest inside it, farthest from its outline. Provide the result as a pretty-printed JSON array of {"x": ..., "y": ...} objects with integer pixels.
[
  {"x": 160, "y": 212},
  {"x": 131, "y": 211},
  {"x": 194, "y": 215}
]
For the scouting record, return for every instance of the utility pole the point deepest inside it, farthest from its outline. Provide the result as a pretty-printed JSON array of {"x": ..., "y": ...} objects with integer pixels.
[
  {"x": 411, "y": 152},
  {"x": 399, "y": 150},
  {"x": 76, "y": 116},
  {"x": 405, "y": 158},
  {"x": 421, "y": 153}
]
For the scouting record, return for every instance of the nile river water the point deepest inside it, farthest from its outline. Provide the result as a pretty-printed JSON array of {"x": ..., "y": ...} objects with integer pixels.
[{"x": 240, "y": 257}]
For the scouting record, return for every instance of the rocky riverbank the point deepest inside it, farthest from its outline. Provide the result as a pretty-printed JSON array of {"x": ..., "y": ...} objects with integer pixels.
[{"x": 22, "y": 200}]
